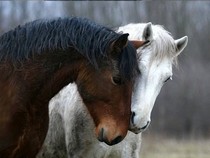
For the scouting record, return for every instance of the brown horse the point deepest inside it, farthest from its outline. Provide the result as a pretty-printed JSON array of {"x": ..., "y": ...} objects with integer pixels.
[{"x": 41, "y": 57}]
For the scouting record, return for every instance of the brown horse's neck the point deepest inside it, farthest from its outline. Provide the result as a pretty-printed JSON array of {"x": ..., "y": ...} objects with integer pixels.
[
  {"x": 28, "y": 88},
  {"x": 43, "y": 76},
  {"x": 54, "y": 72}
]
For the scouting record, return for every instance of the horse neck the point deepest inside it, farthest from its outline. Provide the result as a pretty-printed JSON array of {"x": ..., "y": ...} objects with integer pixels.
[{"x": 44, "y": 75}]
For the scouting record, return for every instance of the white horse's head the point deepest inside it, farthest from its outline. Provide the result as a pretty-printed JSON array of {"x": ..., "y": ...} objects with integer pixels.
[{"x": 156, "y": 59}]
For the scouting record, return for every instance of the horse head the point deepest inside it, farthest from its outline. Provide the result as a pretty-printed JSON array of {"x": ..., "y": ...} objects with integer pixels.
[
  {"x": 156, "y": 59},
  {"x": 107, "y": 92}
]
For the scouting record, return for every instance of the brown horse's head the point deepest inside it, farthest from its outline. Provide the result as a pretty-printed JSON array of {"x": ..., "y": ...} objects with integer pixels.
[{"x": 107, "y": 91}]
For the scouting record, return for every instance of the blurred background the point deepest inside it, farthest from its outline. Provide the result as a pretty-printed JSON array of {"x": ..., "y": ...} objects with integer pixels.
[{"x": 181, "y": 115}]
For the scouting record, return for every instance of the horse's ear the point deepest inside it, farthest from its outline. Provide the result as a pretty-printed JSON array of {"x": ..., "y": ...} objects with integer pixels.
[
  {"x": 148, "y": 33},
  {"x": 137, "y": 43},
  {"x": 120, "y": 43},
  {"x": 180, "y": 44}
]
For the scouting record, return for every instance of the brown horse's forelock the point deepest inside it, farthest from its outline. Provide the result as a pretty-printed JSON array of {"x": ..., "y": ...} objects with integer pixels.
[{"x": 88, "y": 38}]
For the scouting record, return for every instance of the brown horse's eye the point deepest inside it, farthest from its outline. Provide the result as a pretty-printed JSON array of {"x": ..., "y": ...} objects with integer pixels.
[{"x": 116, "y": 80}]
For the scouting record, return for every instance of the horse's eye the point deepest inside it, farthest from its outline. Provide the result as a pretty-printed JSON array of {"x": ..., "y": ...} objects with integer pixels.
[
  {"x": 170, "y": 78},
  {"x": 116, "y": 80}
]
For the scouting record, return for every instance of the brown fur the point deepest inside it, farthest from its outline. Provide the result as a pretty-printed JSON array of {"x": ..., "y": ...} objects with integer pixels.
[
  {"x": 24, "y": 96},
  {"x": 117, "y": 96}
]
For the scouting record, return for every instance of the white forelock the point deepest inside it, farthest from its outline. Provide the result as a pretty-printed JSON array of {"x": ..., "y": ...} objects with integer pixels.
[{"x": 162, "y": 45}]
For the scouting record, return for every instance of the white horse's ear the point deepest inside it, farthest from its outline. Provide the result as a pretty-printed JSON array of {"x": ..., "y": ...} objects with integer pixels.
[
  {"x": 148, "y": 33},
  {"x": 181, "y": 44}
]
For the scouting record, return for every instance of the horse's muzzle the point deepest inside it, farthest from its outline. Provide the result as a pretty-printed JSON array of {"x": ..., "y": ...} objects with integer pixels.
[{"x": 103, "y": 137}]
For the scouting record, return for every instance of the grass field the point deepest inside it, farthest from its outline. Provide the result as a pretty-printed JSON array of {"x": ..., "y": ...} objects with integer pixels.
[{"x": 160, "y": 147}]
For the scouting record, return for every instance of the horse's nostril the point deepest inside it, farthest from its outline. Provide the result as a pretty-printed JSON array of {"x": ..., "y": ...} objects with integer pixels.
[
  {"x": 132, "y": 117},
  {"x": 101, "y": 135}
]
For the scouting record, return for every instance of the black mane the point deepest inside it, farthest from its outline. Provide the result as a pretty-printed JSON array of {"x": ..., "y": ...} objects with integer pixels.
[{"x": 88, "y": 38}]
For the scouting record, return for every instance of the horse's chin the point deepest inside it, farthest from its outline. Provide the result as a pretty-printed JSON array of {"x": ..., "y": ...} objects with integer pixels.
[
  {"x": 116, "y": 141},
  {"x": 137, "y": 130}
]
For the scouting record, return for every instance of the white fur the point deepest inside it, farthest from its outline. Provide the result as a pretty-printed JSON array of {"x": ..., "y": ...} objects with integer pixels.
[{"x": 71, "y": 128}]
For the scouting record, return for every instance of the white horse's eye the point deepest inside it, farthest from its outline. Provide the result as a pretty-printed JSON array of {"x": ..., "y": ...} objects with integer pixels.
[{"x": 170, "y": 78}]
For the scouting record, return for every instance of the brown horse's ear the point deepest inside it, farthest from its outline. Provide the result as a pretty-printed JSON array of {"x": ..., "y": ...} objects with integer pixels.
[
  {"x": 120, "y": 43},
  {"x": 137, "y": 43}
]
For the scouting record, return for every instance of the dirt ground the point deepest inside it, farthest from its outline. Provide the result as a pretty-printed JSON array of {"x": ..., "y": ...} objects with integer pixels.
[{"x": 160, "y": 147}]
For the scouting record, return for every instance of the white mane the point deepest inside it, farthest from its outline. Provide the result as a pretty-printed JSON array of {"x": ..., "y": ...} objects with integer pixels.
[{"x": 161, "y": 45}]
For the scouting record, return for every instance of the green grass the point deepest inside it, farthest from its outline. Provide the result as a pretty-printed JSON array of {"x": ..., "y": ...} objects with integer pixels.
[{"x": 160, "y": 147}]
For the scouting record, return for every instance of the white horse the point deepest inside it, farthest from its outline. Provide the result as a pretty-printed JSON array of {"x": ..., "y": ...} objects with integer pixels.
[{"x": 71, "y": 129}]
